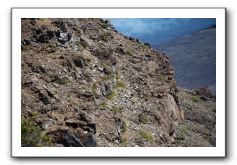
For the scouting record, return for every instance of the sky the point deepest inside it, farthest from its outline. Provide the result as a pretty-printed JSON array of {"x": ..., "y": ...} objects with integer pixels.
[{"x": 159, "y": 30}]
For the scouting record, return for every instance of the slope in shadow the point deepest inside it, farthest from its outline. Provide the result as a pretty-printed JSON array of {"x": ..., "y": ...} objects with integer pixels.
[{"x": 194, "y": 58}]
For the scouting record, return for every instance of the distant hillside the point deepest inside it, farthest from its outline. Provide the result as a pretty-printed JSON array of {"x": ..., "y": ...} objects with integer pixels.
[{"x": 194, "y": 58}]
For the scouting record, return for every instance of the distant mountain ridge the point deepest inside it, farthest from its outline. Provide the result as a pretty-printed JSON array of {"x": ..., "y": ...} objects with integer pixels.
[{"x": 193, "y": 57}]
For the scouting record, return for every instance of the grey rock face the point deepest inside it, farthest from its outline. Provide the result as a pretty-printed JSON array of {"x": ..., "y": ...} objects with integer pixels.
[
  {"x": 44, "y": 97},
  {"x": 73, "y": 141},
  {"x": 47, "y": 123},
  {"x": 64, "y": 37},
  {"x": 87, "y": 40},
  {"x": 105, "y": 89}
]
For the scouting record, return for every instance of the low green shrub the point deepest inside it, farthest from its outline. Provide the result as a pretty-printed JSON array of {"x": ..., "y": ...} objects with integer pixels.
[
  {"x": 123, "y": 141},
  {"x": 111, "y": 95},
  {"x": 143, "y": 119},
  {"x": 124, "y": 126},
  {"x": 32, "y": 136},
  {"x": 116, "y": 109},
  {"x": 146, "y": 135},
  {"x": 93, "y": 88},
  {"x": 195, "y": 99},
  {"x": 146, "y": 76},
  {"x": 129, "y": 52},
  {"x": 62, "y": 81},
  {"x": 103, "y": 25},
  {"x": 25, "y": 47},
  {"x": 182, "y": 131},
  {"x": 103, "y": 106},
  {"x": 120, "y": 84}
]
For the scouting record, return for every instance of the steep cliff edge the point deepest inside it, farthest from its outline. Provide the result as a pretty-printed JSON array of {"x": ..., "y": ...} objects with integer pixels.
[{"x": 84, "y": 84}]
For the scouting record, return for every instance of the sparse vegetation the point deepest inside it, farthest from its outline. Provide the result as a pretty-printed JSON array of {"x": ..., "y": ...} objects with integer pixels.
[
  {"x": 146, "y": 99},
  {"x": 104, "y": 25},
  {"x": 123, "y": 136},
  {"x": 93, "y": 88},
  {"x": 120, "y": 84},
  {"x": 146, "y": 135},
  {"x": 182, "y": 131},
  {"x": 116, "y": 109},
  {"x": 111, "y": 95},
  {"x": 105, "y": 36},
  {"x": 195, "y": 99},
  {"x": 32, "y": 136},
  {"x": 178, "y": 142},
  {"x": 146, "y": 76},
  {"x": 106, "y": 69},
  {"x": 106, "y": 77},
  {"x": 123, "y": 141},
  {"x": 117, "y": 75},
  {"x": 124, "y": 126},
  {"x": 143, "y": 119},
  {"x": 83, "y": 44},
  {"x": 25, "y": 47},
  {"x": 85, "y": 60},
  {"x": 33, "y": 114},
  {"x": 161, "y": 78},
  {"x": 103, "y": 106},
  {"x": 62, "y": 81},
  {"x": 129, "y": 52}
]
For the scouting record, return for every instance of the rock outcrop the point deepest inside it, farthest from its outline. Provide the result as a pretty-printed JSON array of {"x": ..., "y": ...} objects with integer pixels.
[
  {"x": 199, "y": 126},
  {"x": 85, "y": 85}
]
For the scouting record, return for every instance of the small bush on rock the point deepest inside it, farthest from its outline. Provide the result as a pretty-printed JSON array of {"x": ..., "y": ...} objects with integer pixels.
[
  {"x": 103, "y": 106},
  {"x": 104, "y": 25},
  {"x": 195, "y": 99},
  {"x": 124, "y": 126},
  {"x": 62, "y": 81},
  {"x": 116, "y": 109},
  {"x": 143, "y": 119},
  {"x": 146, "y": 135},
  {"x": 111, "y": 95},
  {"x": 129, "y": 52},
  {"x": 32, "y": 136},
  {"x": 120, "y": 84},
  {"x": 25, "y": 47}
]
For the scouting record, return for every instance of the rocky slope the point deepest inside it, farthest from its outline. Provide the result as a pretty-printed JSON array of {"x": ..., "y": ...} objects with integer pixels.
[
  {"x": 84, "y": 84},
  {"x": 199, "y": 126}
]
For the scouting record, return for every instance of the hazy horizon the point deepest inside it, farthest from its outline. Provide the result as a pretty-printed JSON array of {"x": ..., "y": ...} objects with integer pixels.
[{"x": 160, "y": 30}]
